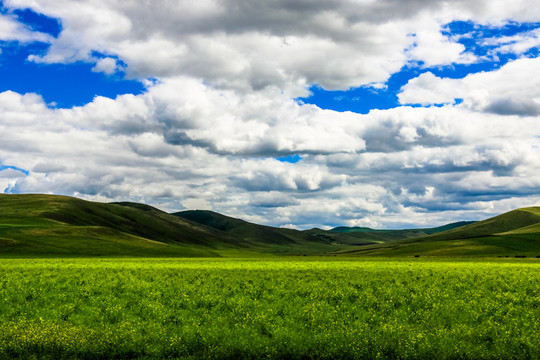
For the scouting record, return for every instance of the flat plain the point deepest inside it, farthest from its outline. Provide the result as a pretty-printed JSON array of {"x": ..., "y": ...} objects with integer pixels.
[{"x": 274, "y": 308}]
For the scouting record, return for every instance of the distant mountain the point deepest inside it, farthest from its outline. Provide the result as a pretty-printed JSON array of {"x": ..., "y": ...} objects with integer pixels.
[
  {"x": 388, "y": 235},
  {"x": 515, "y": 233}
]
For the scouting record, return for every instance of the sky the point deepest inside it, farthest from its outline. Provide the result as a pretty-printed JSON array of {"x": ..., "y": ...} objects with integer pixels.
[{"x": 306, "y": 113}]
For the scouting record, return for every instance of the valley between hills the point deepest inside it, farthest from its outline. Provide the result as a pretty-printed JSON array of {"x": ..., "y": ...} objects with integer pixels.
[{"x": 54, "y": 226}]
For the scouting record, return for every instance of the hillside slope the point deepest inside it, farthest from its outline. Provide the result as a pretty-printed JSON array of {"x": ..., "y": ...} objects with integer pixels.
[
  {"x": 378, "y": 236},
  {"x": 276, "y": 240},
  {"x": 515, "y": 233},
  {"x": 306, "y": 241},
  {"x": 51, "y": 224},
  {"x": 505, "y": 223}
]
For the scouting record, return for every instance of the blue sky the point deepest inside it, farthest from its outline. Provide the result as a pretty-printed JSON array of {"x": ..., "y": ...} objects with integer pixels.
[
  {"x": 62, "y": 85},
  {"x": 363, "y": 99},
  {"x": 388, "y": 120}
]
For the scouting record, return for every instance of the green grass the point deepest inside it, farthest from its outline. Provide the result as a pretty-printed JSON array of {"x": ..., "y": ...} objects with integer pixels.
[{"x": 277, "y": 308}]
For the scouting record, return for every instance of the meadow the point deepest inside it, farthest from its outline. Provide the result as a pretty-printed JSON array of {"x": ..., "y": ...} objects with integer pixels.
[{"x": 272, "y": 308}]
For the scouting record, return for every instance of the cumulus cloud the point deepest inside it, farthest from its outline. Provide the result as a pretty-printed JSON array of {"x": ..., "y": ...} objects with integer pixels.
[
  {"x": 516, "y": 44},
  {"x": 221, "y": 107},
  {"x": 513, "y": 106},
  {"x": 46, "y": 168},
  {"x": 462, "y": 156},
  {"x": 337, "y": 44},
  {"x": 11, "y": 174},
  {"x": 9, "y": 177},
  {"x": 272, "y": 199},
  {"x": 432, "y": 48},
  {"x": 106, "y": 65},
  {"x": 511, "y": 90}
]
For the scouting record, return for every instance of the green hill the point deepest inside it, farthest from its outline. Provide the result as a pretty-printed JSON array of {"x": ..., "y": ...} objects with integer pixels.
[
  {"x": 51, "y": 225},
  {"x": 271, "y": 239},
  {"x": 515, "y": 233},
  {"x": 380, "y": 236},
  {"x": 60, "y": 225},
  {"x": 241, "y": 229},
  {"x": 341, "y": 236}
]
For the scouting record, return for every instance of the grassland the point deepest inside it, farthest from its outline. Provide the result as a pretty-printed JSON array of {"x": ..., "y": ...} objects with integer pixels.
[
  {"x": 277, "y": 308},
  {"x": 86, "y": 280},
  {"x": 515, "y": 233}
]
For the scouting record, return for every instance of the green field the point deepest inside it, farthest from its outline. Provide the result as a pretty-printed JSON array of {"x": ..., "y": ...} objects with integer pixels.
[{"x": 276, "y": 308}]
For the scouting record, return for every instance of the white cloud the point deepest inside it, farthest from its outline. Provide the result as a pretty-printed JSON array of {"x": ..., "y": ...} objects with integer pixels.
[
  {"x": 514, "y": 89},
  {"x": 344, "y": 178},
  {"x": 8, "y": 178},
  {"x": 429, "y": 89},
  {"x": 516, "y": 44},
  {"x": 11, "y": 174},
  {"x": 338, "y": 44},
  {"x": 12, "y": 30},
  {"x": 432, "y": 48},
  {"x": 106, "y": 65},
  {"x": 206, "y": 131},
  {"x": 46, "y": 168}
]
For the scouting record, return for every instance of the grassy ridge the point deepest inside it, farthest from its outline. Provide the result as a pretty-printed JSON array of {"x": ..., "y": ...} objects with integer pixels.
[
  {"x": 57, "y": 225},
  {"x": 316, "y": 238},
  {"x": 386, "y": 235},
  {"x": 503, "y": 224},
  {"x": 278, "y": 241},
  {"x": 248, "y": 232},
  {"x": 516, "y": 233},
  {"x": 274, "y": 309},
  {"x": 50, "y": 225}
]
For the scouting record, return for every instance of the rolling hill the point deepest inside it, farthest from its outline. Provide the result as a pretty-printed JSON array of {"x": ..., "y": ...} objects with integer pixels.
[
  {"x": 315, "y": 238},
  {"x": 263, "y": 238},
  {"x": 52, "y": 225},
  {"x": 378, "y": 236},
  {"x": 515, "y": 233},
  {"x": 59, "y": 225},
  {"x": 282, "y": 240}
]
